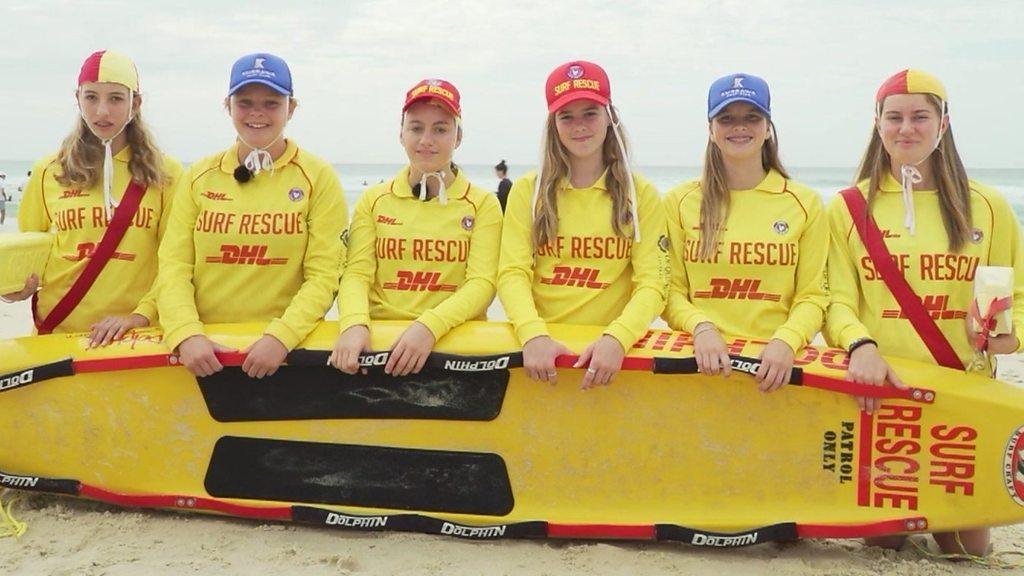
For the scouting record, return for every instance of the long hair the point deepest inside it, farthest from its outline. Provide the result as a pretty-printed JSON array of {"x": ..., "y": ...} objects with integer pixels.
[
  {"x": 81, "y": 156},
  {"x": 555, "y": 167},
  {"x": 714, "y": 203},
  {"x": 950, "y": 179}
]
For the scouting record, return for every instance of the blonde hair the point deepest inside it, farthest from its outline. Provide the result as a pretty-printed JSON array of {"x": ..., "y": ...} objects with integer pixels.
[
  {"x": 555, "y": 167},
  {"x": 950, "y": 179},
  {"x": 81, "y": 156},
  {"x": 715, "y": 196}
]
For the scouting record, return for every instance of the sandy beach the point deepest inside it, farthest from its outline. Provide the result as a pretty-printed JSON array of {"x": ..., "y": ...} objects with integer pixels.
[{"x": 69, "y": 536}]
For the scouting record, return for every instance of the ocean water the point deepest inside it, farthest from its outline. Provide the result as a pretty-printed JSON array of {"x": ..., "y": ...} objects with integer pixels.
[{"x": 827, "y": 181}]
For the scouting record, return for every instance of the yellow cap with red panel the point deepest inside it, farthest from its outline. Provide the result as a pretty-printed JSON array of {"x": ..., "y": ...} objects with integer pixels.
[
  {"x": 109, "y": 66},
  {"x": 911, "y": 81}
]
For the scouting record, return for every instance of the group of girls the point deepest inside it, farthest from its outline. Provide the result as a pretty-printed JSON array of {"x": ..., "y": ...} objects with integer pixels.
[{"x": 259, "y": 233}]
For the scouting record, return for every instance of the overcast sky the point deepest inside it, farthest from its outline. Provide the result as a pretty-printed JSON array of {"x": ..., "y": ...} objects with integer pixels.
[{"x": 353, "y": 61}]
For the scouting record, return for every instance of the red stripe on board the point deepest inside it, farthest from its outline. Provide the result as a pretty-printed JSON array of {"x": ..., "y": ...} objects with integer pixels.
[
  {"x": 855, "y": 389},
  {"x": 186, "y": 503},
  {"x": 628, "y": 363},
  {"x": 609, "y": 531},
  {"x": 864, "y": 464},
  {"x": 122, "y": 363},
  {"x": 913, "y": 524}
]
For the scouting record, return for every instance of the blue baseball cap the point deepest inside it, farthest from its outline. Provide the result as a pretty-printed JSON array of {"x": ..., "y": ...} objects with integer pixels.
[
  {"x": 261, "y": 68},
  {"x": 739, "y": 88}
]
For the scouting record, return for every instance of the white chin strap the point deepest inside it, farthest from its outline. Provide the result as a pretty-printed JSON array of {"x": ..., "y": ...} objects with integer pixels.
[
  {"x": 910, "y": 175},
  {"x": 108, "y": 157},
  {"x": 616, "y": 129},
  {"x": 259, "y": 159},
  {"x": 442, "y": 195}
]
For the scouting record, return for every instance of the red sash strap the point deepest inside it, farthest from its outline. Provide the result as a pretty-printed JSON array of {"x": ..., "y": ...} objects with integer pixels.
[
  {"x": 908, "y": 300},
  {"x": 123, "y": 217}
]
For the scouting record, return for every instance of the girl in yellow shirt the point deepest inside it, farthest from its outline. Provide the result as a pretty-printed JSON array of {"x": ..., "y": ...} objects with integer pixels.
[
  {"x": 748, "y": 244},
  {"x": 255, "y": 235},
  {"x": 938, "y": 227},
  {"x": 74, "y": 194},
  {"x": 584, "y": 240},
  {"x": 422, "y": 247}
]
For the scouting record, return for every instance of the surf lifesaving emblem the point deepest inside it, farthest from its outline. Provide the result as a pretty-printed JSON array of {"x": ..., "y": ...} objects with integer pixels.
[
  {"x": 780, "y": 227},
  {"x": 574, "y": 72},
  {"x": 296, "y": 194},
  {"x": 467, "y": 223},
  {"x": 1013, "y": 466}
]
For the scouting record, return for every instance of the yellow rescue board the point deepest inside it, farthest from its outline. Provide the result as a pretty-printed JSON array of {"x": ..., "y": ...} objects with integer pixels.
[
  {"x": 476, "y": 449},
  {"x": 22, "y": 254}
]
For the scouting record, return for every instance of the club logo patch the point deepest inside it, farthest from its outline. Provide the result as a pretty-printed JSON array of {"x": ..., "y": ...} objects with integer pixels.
[
  {"x": 296, "y": 194},
  {"x": 1013, "y": 466},
  {"x": 575, "y": 71},
  {"x": 663, "y": 243},
  {"x": 977, "y": 236},
  {"x": 780, "y": 227},
  {"x": 467, "y": 223}
]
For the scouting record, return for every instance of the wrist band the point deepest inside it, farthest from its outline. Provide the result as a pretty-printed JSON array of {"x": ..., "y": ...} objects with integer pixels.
[
  {"x": 710, "y": 327},
  {"x": 858, "y": 343}
]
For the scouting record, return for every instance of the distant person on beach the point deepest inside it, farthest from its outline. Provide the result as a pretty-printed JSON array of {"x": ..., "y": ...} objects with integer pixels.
[
  {"x": 501, "y": 171},
  {"x": 255, "y": 234},
  {"x": 914, "y": 204},
  {"x": 584, "y": 239},
  {"x": 3, "y": 198},
  {"x": 21, "y": 187},
  {"x": 423, "y": 246},
  {"x": 746, "y": 225},
  {"x": 101, "y": 272}
]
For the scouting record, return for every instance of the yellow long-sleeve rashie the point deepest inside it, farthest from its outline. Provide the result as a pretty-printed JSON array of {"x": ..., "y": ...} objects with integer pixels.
[
  {"x": 766, "y": 278},
  {"x": 410, "y": 259},
  {"x": 267, "y": 250},
  {"x": 863, "y": 307},
  {"x": 127, "y": 283},
  {"x": 589, "y": 274}
]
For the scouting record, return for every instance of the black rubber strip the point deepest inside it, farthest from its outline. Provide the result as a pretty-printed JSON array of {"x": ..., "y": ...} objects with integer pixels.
[
  {"x": 38, "y": 484},
  {"x": 322, "y": 392},
  {"x": 20, "y": 378},
  {"x": 744, "y": 364},
  {"x": 437, "y": 360},
  {"x": 417, "y": 523},
  {"x": 783, "y": 532},
  {"x": 354, "y": 475}
]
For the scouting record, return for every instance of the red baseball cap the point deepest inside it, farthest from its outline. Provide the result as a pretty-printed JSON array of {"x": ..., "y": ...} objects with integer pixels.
[
  {"x": 575, "y": 80},
  {"x": 434, "y": 89}
]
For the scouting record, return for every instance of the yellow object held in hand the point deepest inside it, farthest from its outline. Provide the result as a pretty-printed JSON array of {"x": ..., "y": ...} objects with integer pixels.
[{"x": 22, "y": 254}]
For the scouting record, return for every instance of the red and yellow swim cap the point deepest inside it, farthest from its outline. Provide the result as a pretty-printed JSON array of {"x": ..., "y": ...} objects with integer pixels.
[
  {"x": 109, "y": 66},
  {"x": 911, "y": 82}
]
